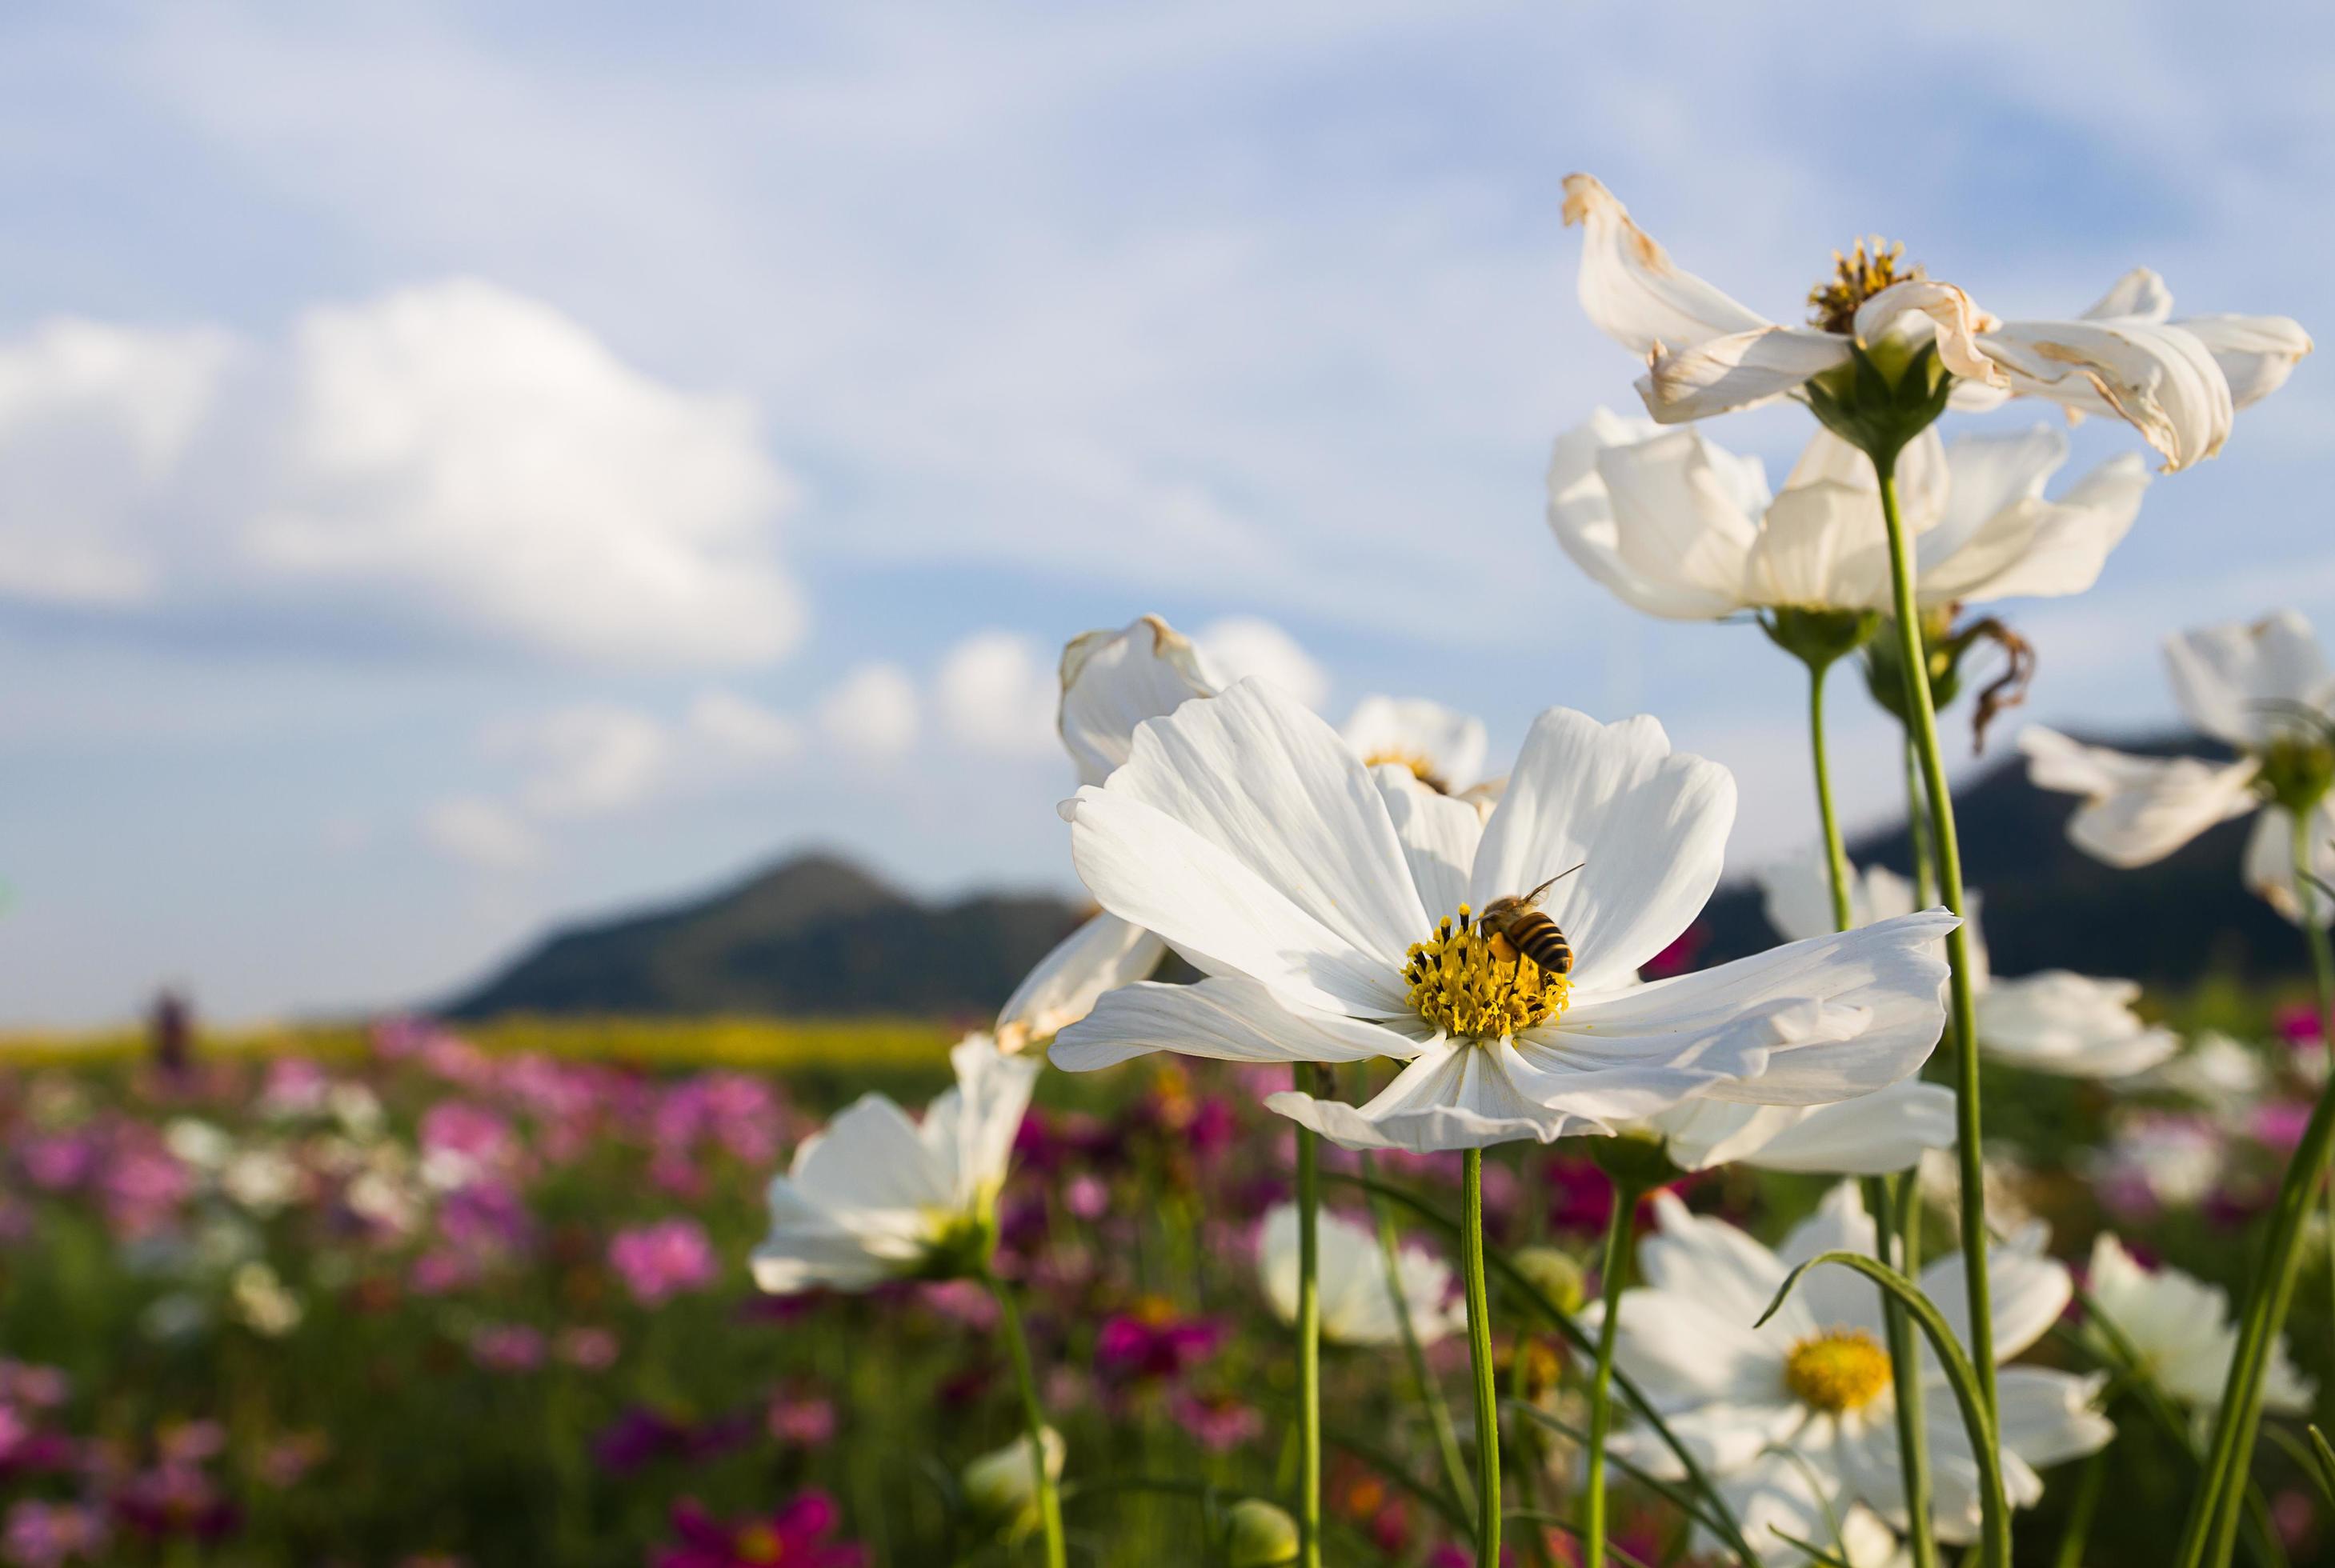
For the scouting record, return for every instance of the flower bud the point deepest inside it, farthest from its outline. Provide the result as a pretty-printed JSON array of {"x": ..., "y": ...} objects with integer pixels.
[
  {"x": 1259, "y": 1535},
  {"x": 1554, "y": 1274},
  {"x": 1003, "y": 1486}
]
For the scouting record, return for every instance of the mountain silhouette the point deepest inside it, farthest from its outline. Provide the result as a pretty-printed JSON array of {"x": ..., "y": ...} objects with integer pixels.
[{"x": 813, "y": 936}]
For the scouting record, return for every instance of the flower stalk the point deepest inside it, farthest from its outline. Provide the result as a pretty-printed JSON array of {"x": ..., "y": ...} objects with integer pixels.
[
  {"x": 1430, "y": 1396},
  {"x": 1923, "y": 732},
  {"x": 1033, "y": 1415},
  {"x": 1619, "y": 1229},
  {"x": 1309, "y": 1346},
  {"x": 2211, "y": 1535},
  {"x": 1479, "y": 1358}
]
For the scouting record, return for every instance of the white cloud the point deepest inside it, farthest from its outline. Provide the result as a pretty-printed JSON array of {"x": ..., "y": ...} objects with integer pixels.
[
  {"x": 872, "y": 713},
  {"x": 457, "y": 459},
  {"x": 585, "y": 761},
  {"x": 1243, "y": 645},
  {"x": 93, "y": 422},
  {"x": 741, "y": 728},
  {"x": 481, "y": 832},
  {"x": 997, "y": 692}
]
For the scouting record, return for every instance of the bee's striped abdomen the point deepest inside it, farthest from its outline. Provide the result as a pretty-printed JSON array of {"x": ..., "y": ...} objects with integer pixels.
[{"x": 1537, "y": 936}]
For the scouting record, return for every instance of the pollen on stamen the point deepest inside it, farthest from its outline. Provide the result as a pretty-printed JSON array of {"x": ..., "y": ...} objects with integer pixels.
[
  {"x": 1476, "y": 986},
  {"x": 1856, "y": 278}
]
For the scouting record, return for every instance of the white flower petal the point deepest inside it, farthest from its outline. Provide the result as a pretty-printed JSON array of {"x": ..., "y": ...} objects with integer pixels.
[
  {"x": 1265, "y": 779},
  {"x": 1102, "y": 955},
  {"x": 1738, "y": 372},
  {"x": 1990, "y": 474},
  {"x": 2044, "y": 549},
  {"x": 1833, "y": 1017},
  {"x": 2137, "y": 809},
  {"x": 2270, "y": 862},
  {"x": 2028, "y": 1291},
  {"x": 2256, "y": 354},
  {"x": 1581, "y": 515},
  {"x": 1439, "y": 836},
  {"x": 2160, "y": 380},
  {"x": 2050, "y": 1416},
  {"x": 1835, "y": 1297},
  {"x": 1820, "y": 548},
  {"x": 1419, "y": 734},
  {"x": 1716, "y": 1264},
  {"x": 1356, "y": 1307},
  {"x": 2140, "y": 294},
  {"x": 2071, "y": 1025},
  {"x": 1224, "y": 1018},
  {"x": 972, "y": 1126},
  {"x": 2232, "y": 680},
  {"x": 1647, "y": 826},
  {"x": 1872, "y": 1135},
  {"x": 1452, "y": 1096},
  {"x": 870, "y": 1156},
  {"x": 1113, "y": 681},
  {"x": 1953, "y": 324},
  {"x": 1631, "y": 289},
  {"x": 1679, "y": 520}
]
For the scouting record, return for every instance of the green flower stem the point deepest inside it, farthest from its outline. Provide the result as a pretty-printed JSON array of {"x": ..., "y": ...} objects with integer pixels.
[
  {"x": 1033, "y": 1415},
  {"x": 1479, "y": 1360},
  {"x": 2089, "y": 1481},
  {"x": 1619, "y": 1229},
  {"x": 2211, "y": 1535},
  {"x": 1836, "y": 853},
  {"x": 1924, "y": 732},
  {"x": 1895, "y": 1228},
  {"x": 1917, "y": 832},
  {"x": 1913, "y": 1439},
  {"x": 1308, "y": 1345},
  {"x": 1431, "y": 1394}
]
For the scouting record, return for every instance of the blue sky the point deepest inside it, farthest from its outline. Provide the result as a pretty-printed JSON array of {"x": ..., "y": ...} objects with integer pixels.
[{"x": 464, "y": 470}]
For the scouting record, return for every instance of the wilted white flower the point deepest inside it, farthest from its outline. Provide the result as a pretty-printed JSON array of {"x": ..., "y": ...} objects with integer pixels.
[
  {"x": 1675, "y": 526},
  {"x": 1811, "y": 1391},
  {"x": 2178, "y": 1327},
  {"x": 2262, "y": 688},
  {"x": 2052, "y": 1020},
  {"x": 876, "y": 1197},
  {"x": 1356, "y": 1307},
  {"x": 1331, "y": 908},
  {"x": 2177, "y": 381}
]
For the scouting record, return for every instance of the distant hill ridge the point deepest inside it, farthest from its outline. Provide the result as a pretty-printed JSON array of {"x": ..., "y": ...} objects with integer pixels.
[
  {"x": 818, "y": 936},
  {"x": 813, "y": 936}
]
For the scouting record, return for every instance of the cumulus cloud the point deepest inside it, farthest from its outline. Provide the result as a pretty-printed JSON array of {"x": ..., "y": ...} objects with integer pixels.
[
  {"x": 996, "y": 692},
  {"x": 456, "y": 461},
  {"x": 94, "y": 421},
  {"x": 584, "y": 761},
  {"x": 1243, "y": 645},
  {"x": 872, "y": 713},
  {"x": 741, "y": 728},
  {"x": 482, "y": 832}
]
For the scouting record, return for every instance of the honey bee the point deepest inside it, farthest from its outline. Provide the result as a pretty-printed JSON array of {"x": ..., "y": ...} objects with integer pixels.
[{"x": 1517, "y": 920}]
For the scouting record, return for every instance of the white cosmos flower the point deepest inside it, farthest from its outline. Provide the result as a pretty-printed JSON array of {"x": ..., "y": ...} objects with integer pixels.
[
  {"x": 1870, "y": 1135},
  {"x": 2178, "y": 1327},
  {"x": 876, "y": 1197},
  {"x": 1356, "y": 1307},
  {"x": 1675, "y": 526},
  {"x": 2177, "y": 381},
  {"x": 1328, "y": 906},
  {"x": 2262, "y": 688},
  {"x": 2217, "y": 1072},
  {"x": 2053, "y": 1021},
  {"x": 1810, "y": 1393},
  {"x": 1112, "y": 681}
]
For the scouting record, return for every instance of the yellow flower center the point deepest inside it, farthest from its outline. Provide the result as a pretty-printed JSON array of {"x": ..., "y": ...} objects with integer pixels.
[
  {"x": 1856, "y": 278},
  {"x": 759, "y": 1544},
  {"x": 1422, "y": 768},
  {"x": 1840, "y": 1369},
  {"x": 1478, "y": 987}
]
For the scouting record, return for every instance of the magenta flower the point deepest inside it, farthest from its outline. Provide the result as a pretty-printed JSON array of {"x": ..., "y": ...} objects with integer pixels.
[
  {"x": 1153, "y": 1343},
  {"x": 1218, "y": 1422},
  {"x": 587, "y": 1349},
  {"x": 49, "y": 1534},
  {"x": 796, "y": 1535},
  {"x": 802, "y": 1421},
  {"x": 664, "y": 1260}
]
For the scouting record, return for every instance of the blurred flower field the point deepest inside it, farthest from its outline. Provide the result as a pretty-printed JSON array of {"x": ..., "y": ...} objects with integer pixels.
[{"x": 398, "y": 1298}]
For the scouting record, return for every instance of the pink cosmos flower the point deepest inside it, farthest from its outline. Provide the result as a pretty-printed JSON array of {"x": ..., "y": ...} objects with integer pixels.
[
  {"x": 798, "y": 1535},
  {"x": 666, "y": 1259},
  {"x": 508, "y": 1348}
]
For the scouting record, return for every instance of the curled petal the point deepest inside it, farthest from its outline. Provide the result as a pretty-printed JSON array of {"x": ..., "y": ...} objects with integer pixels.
[
  {"x": 2158, "y": 379},
  {"x": 2256, "y": 354},
  {"x": 1737, "y": 371},
  {"x": 2136, "y": 811},
  {"x": 1630, "y": 286},
  {"x": 1114, "y": 681},
  {"x": 1101, "y": 954},
  {"x": 1955, "y": 320}
]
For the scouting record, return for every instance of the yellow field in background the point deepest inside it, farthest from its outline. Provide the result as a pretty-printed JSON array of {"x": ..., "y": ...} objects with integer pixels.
[{"x": 763, "y": 1043}]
